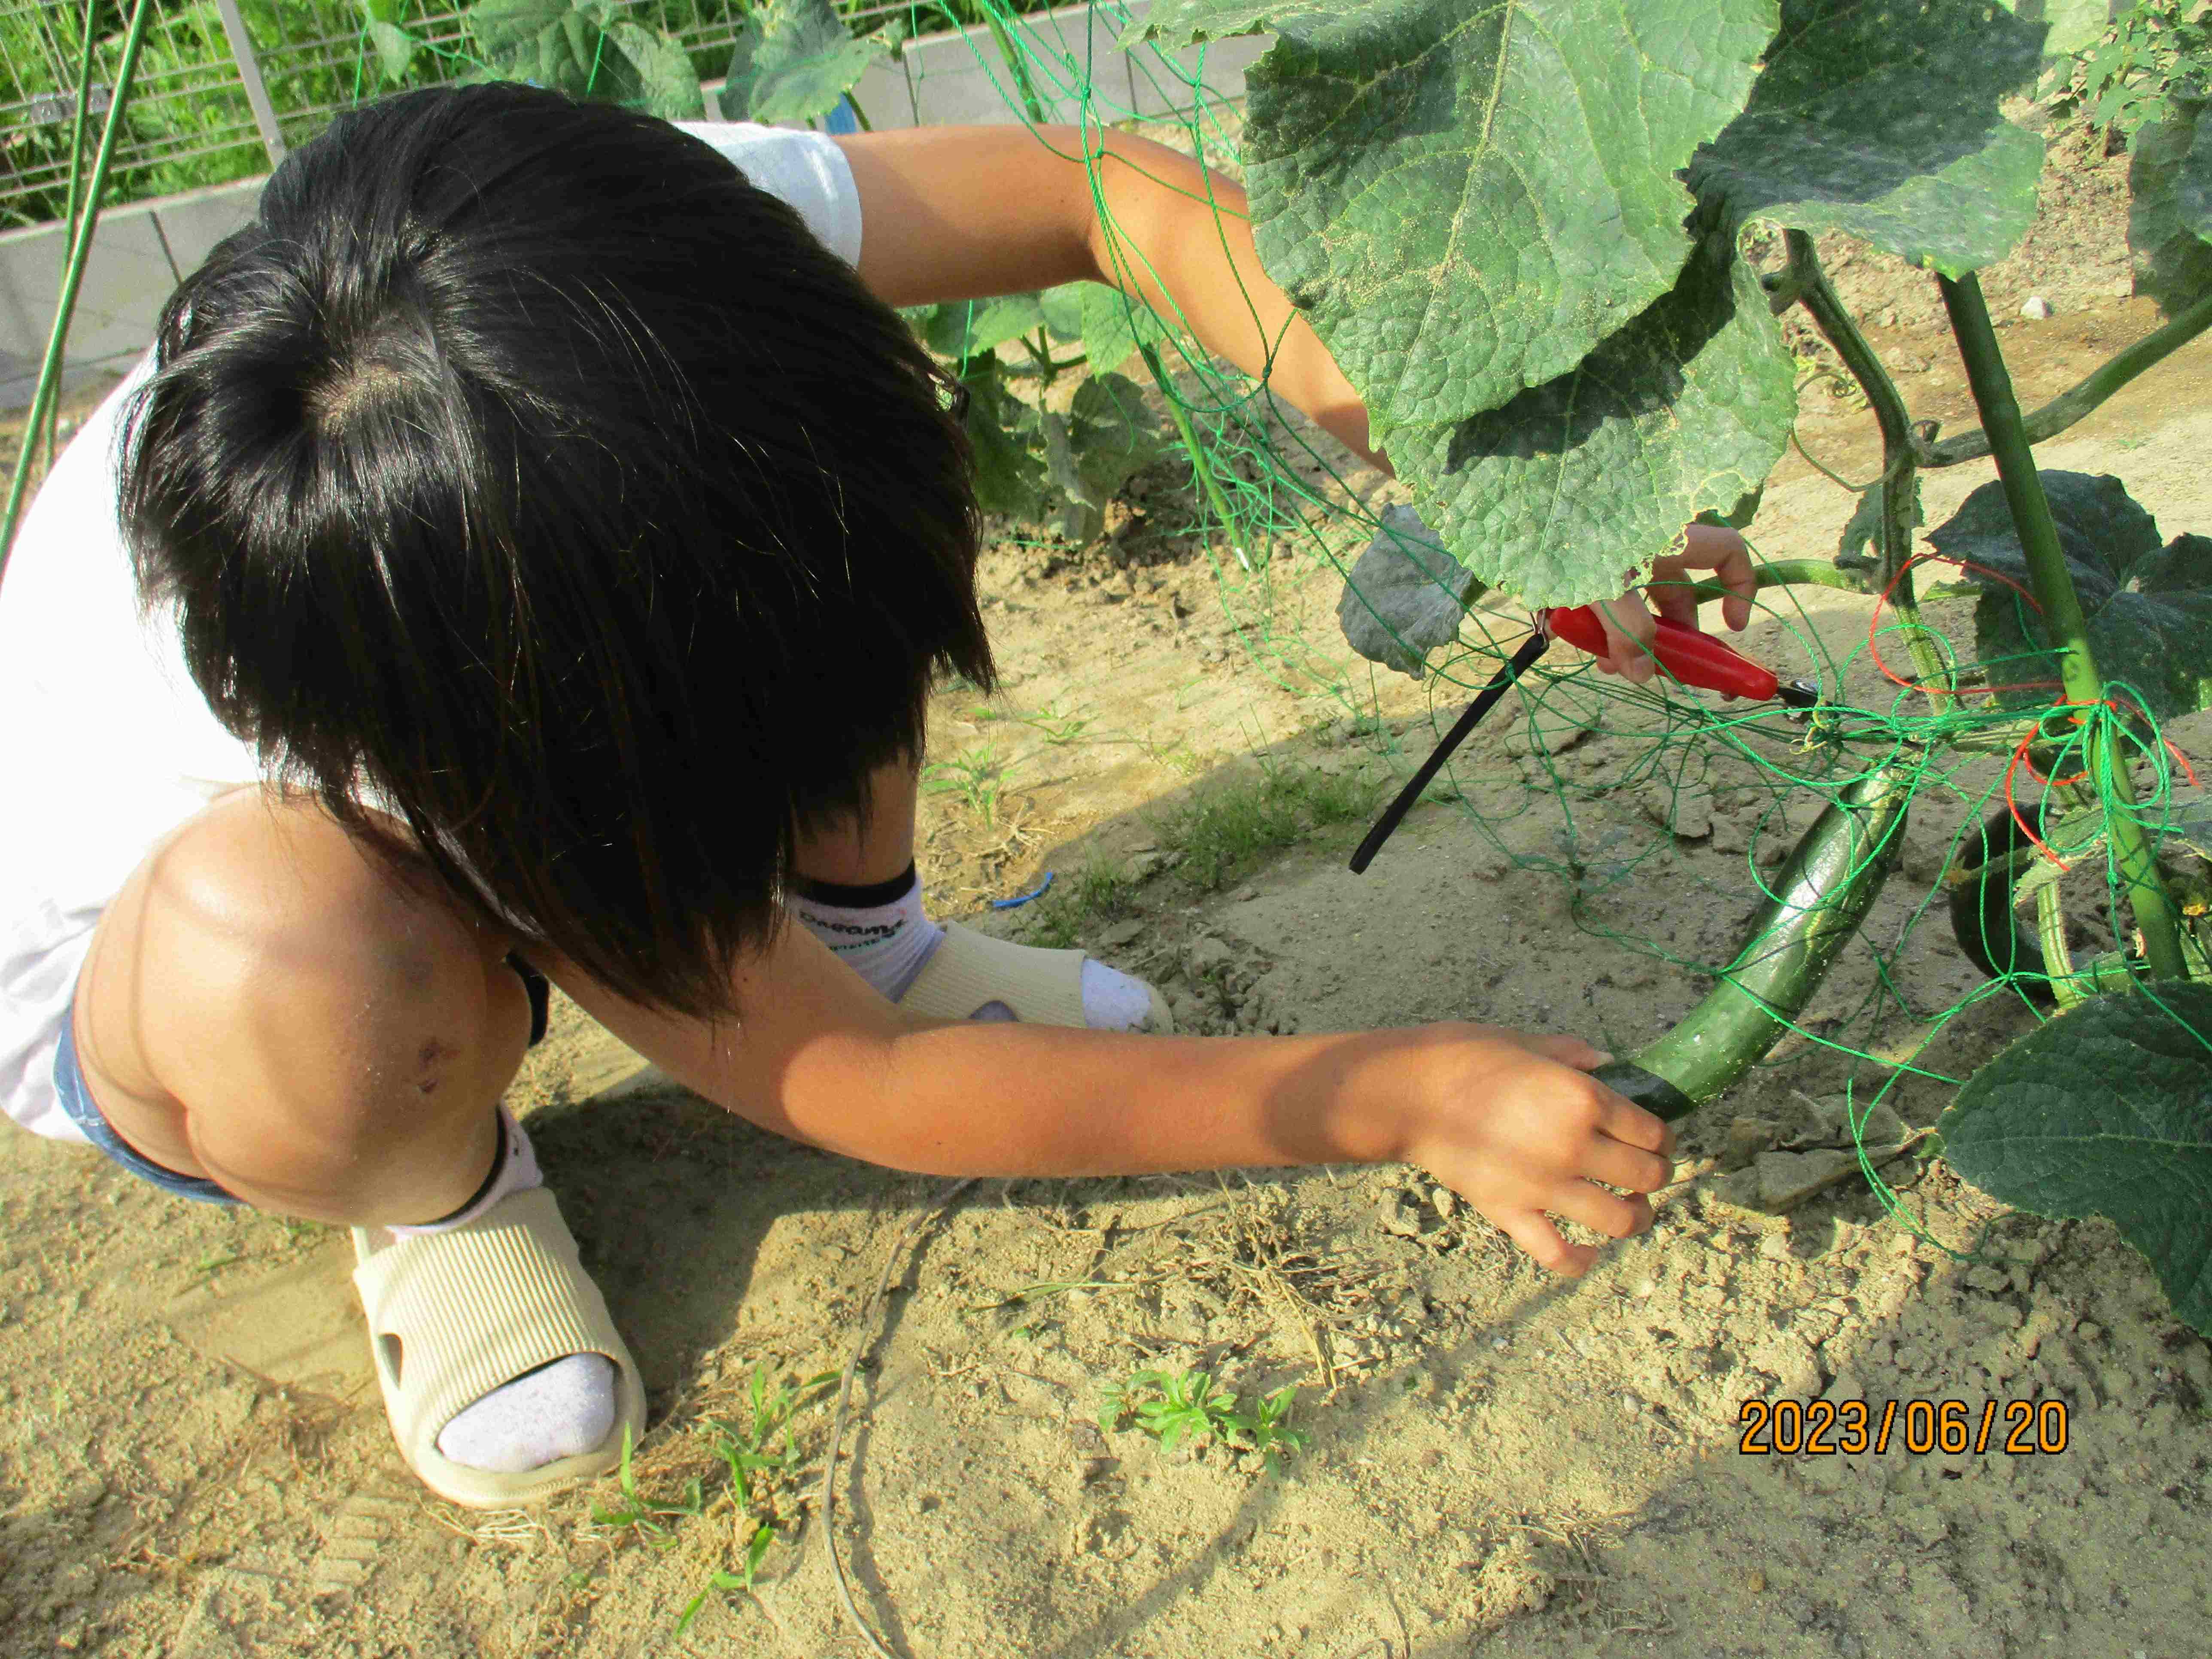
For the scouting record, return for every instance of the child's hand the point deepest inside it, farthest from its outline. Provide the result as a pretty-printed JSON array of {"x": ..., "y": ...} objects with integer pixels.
[
  {"x": 1515, "y": 1125},
  {"x": 1629, "y": 628}
]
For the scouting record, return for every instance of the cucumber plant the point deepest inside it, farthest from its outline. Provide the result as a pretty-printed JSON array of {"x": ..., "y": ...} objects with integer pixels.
[
  {"x": 588, "y": 49},
  {"x": 1520, "y": 230},
  {"x": 795, "y": 61},
  {"x": 1037, "y": 463}
]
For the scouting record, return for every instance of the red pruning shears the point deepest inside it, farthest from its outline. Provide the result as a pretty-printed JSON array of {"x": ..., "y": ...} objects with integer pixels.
[
  {"x": 1693, "y": 656},
  {"x": 1689, "y": 656}
]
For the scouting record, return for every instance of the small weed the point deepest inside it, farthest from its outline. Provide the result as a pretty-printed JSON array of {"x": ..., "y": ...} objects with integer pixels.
[
  {"x": 1226, "y": 832},
  {"x": 974, "y": 775},
  {"x": 759, "y": 1451},
  {"x": 645, "y": 1518},
  {"x": 1074, "y": 908},
  {"x": 1267, "y": 1429},
  {"x": 1058, "y": 726},
  {"x": 1170, "y": 1407},
  {"x": 748, "y": 1562},
  {"x": 297, "y": 1234},
  {"x": 1190, "y": 1406},
  {"x": 762, "y": 1458},
  {"x": 1055, "y": 724},
  {"x": 1178, "y": 756}
]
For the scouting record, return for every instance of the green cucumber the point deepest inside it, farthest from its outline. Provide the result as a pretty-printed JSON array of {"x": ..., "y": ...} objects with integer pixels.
[{"x": 1819, "y": 900}]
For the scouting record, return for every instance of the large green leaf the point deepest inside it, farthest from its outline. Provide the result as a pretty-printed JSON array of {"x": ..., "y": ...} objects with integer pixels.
[
  {"x": 1467, "y": 196},
  {"x": 547, "y": 41},
  {"x": 2107, "y": 1111},
  {"x": 1009, "y": 474},
  {"x": 1570, "y": 488},
  {"x": 2170, "y": 212},
  {"x": 2072, "y": 24},
  {"x": 963, "y": 329},
  {"x": 1115, "y": 435},
  {"x": 1881, "y": 119},
  {"x": 792, "y": 61},
  {"x": 395, "y": 49},
  {"x": 2158, "y": 645},
  {"x": 1188, "y": 22},
  {"x": 1061, "y": 308},
  {"x": 1114, "y": 325},
  {"x": 572, "y": 46},
  {"x": 667, "y": 84},
  {"x": 1105, "y": 438},
  {"x": 2149, "y": 609},
  {"x": 2102, "y": 531},
  {"x": 504, "y": 26}
]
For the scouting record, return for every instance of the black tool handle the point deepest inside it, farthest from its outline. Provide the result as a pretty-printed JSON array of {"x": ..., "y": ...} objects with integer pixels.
[{"x": 1395, "y": 812}]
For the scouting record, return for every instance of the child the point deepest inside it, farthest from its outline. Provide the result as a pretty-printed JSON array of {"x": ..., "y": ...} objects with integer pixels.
[{"x": 526, "y": 556}]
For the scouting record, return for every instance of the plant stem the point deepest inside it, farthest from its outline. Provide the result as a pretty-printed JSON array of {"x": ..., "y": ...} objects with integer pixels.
[
  {"x": 1197, "y": 453},
  {"x": 1015, "y": 65},
  {"x": 1899, "y": 487},
  {"x": 1796, "y": 573},
  {"x": 50, "y": 371},
  {"x": 2070, "y": 406},
  {"x": 2053, "y": 586},
  {"x": 2005, "y": 740},
  {"x": 1041, "y": 354}
]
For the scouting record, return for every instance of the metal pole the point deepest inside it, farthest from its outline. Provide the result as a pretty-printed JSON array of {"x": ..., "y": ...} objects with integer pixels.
[{"x": 249, "y": 72}]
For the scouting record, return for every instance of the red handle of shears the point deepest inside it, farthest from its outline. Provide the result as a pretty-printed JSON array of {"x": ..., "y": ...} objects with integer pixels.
[{"x": 1693, "y": 656}]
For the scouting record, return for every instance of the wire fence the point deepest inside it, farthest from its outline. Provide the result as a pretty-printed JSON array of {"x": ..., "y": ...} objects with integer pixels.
[{"x": 192, "y": 120}]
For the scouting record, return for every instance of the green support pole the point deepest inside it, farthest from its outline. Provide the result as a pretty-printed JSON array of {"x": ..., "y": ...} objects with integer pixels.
[
  {"x": 1015, "y": 66},
  {"x": 78, "y": 130},
  {"x": 50, "y": 371},
  {"x": 2053, "y": 587}
]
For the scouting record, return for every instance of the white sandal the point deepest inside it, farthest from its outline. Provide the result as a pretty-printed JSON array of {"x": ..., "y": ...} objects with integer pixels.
[
  {"x": 453, "y": 1315},
  {"x": 1043, "y": 987}
]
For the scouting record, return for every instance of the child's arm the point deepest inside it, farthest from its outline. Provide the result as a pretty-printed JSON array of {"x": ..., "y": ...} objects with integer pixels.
[
  {"x": 949, "y": 213},
  {"x": 953, "y": 213},
  {"x": 1511, "y": 1121}
]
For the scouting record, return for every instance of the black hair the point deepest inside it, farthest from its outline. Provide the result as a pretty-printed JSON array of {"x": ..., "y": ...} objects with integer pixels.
[{"x": 525, "y": 471}]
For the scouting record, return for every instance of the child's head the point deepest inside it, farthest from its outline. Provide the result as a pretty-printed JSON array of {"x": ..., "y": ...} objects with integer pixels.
[{"x": 524, "y": 463}]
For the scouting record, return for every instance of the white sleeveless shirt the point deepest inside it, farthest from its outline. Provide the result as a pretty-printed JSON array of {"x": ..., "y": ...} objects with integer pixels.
[{"x": 111, "y": 746}]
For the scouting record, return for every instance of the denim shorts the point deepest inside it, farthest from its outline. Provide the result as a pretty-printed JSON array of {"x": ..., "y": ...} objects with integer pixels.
[{"x": 83, "y": 1111}]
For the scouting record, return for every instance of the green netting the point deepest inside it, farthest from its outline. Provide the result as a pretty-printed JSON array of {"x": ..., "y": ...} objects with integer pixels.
[{"x": 1269, "y": 505}]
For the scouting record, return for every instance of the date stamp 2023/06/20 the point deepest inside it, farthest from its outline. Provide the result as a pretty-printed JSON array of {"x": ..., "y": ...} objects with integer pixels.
[{"x": 1953, "y": 1428}]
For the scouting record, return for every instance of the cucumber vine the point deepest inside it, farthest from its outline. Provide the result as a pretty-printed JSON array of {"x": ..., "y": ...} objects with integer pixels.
[{"x": 1521, "y": 232}]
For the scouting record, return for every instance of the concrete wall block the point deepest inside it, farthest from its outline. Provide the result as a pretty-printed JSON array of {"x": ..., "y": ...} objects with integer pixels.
[
  {"x": 192, "y": 224},
  {"x": 1162, "y": 82},
  {"x": 946, "y": 80},
  {"x": 960, "y": 77},
  {"x": 126, "y": 278}
]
